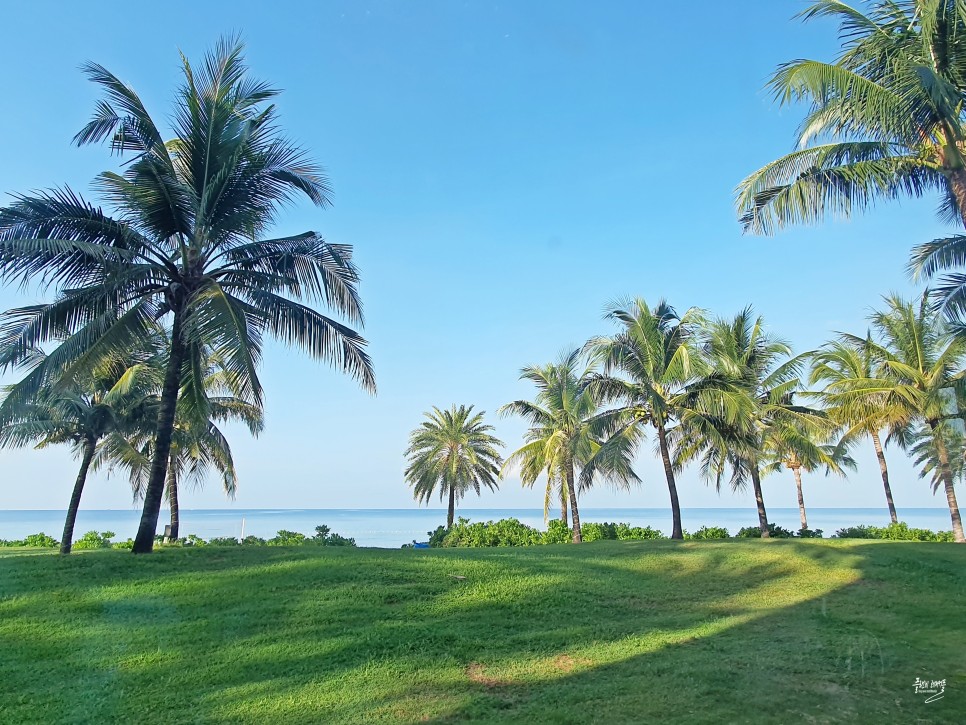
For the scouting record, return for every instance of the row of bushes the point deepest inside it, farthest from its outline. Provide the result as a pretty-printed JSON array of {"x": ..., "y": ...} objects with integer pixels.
[
  {"x": 512, "y": 532},
  {"x": 103, "y": 540}
]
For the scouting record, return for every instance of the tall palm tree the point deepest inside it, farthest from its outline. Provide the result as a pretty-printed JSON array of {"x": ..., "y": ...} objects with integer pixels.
[
  {"x": 452, "y": 452},
  {"x": 569, "y": 436},
  {"x": 647, "y": 366},
  {"x": 802, "y": 444},
  {"x": 750, "y": 389},
  {"x": 886, "y": 119},
  {"x": 921, "y": 359},
  {"x": 844, "y": 367},
  {"x": 107, "y": 402},
  {"x": 185, "y": 241}
]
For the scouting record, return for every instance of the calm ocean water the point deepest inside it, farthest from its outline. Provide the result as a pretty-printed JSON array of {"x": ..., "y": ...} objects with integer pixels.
[{"x": 393, "y": 527}]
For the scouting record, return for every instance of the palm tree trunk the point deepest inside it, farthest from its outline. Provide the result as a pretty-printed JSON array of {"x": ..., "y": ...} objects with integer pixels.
[
  {"x": 173, "y": 499},
  {"x": 676, "y": 530},
  {"x": 144, "y": 541},
  {"x": 801, "y": 499},
  {"x": 563, "y": 506},
  {"x": 947, "y": 478},
  {"x": 66, "y": 540},
  {"x": 957, "y": 185},
  {"x": 885, "y": 474},
  {"x": 452, "y": 507},
  {"x": 572, "y": 495},
  {"x": 759, "y": 499}
]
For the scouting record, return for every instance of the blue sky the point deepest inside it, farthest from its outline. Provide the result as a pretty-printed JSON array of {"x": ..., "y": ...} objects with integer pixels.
[{"x": 503, "y": 170}]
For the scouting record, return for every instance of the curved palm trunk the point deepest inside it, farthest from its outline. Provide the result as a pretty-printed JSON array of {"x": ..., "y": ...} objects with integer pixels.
[
  {"x": 144, "y": 541},
  {"x": 759, "y": 499},
  {"x": 957, "y": 185},
  {"x": 66, "y": 540},
  {"x": 564, "y": 516},
  {"x": 173, "y": 499},
  {"x": 947, "y": 477},
  {"x": 676, "y": 530},
  {"x": 801, "y": 499},
  {"x": 884, "y": 470},
  {"x": 572, "y": 495},
  {"x": 452, "y": 507}
]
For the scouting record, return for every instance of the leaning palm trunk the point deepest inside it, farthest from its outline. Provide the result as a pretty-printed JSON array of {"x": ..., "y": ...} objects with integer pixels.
[
  {"x": 66, "y": 540},
  {"x": 572, "y": 495},
  {"x": 759, "y": 499},
  {"x": 173, "y": 499},
  {"x": 947, "y": 478},
  {"x": 884, "y": 470},
  {"x": 676, "y": 530},
  {"x": 801, "y": 499},
  {"x": 144, "y": 541},
  {"x": 564, "y": 516}
]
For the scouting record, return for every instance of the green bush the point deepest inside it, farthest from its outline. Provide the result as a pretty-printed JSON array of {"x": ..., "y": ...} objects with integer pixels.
[
  {"x": 436, "y": 537},
  {"x": 323, "y": 537},
  {"x": 809, "y": 533},
  {"x": 253, "y": 541},
  {"x": 893, "y": 532},
  {"x": 709, "y": 532},
  {"x": 774, "y": 531},
  {"x": 223, "y": 541},
  {"x": 94, "y": 540},
  {"x": 287, "y": 538},
  {"x": 38, "y": 541},
  {"x": 558, "y": 532},
  {"x": 123, "y": 545},
  {"x": 505, "y": 532}
]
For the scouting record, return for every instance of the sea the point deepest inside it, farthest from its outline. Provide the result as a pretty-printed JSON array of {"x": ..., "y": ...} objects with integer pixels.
[{"x": 391, "y": 528}]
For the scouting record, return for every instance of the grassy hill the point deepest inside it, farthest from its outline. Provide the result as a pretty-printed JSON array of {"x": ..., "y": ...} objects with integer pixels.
[{"x": 736, "y": 631}]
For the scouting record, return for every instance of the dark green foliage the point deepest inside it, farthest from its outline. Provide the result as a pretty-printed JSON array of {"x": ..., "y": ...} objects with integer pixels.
[
  {"x": 809, "y": 533},
  {"x": 505, "y": 532},
  {"x": 558, "y": 532},
  {"x": 709, "y": 532},
  {"x": 95, "y": 540},
  {"x": 323, "y": 537},
  {"x": 436, "y": 537},
  {"x": 253, "y": 541},
  {"x": 39, "y": 541},
  {"x": 893, "y": 532},
  {"x": 287, "y": 538},
  {"x": 223, "y": 541},
  {"x": 774, "y": 530}
]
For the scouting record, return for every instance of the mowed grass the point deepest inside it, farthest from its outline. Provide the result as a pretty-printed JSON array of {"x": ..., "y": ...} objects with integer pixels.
[{"x": 737, "y": 631}]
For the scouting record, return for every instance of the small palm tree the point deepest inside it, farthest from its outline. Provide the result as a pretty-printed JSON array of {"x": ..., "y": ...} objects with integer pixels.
[
  {"x": 108, "y": 402},
  {"x": 885, "y": 120},
  {"x": 920, "y": 358},
  {"x": 846, "y": 367},
  {"x": 647, "y": 367},
  {"x": 568, "y": 434},
  {"x": 185, "y": 241},
  {"x": 452, "y": 453}
]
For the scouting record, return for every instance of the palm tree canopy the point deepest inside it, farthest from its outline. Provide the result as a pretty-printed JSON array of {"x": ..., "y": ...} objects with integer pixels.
[
  {"x": 184, "y": 236},
  {"x": 884, "y": 120},
  {"x": 452, "y": 450}
]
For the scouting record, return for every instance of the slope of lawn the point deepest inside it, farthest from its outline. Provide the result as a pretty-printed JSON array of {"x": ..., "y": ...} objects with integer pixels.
[{"x": 737, "y": 631}]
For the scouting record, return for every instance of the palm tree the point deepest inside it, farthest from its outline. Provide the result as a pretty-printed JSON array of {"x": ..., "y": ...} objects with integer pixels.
[
  {"x": 846, "y": 366},
  {"x": 185, "y": 242},
  {"x": 885, "y": 119},
  {"x": 569, "y": 436},
  {"x": 103, "y": 404},
  {"x": 452, "y": 452},
  {"x": 749, "y": 390},
  {"x": 657, "y": 356},
  {"x": 920, "y": 358},
  {"x": 802, "y": 445}
]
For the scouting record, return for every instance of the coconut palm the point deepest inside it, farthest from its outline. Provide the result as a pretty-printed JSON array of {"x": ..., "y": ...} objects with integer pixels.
[
  {"x": 569, "y": 437},
  {"x": 885, "y": 119},
  {"x": 750, "y": 389},
  {"x": 647, "y": 367},
  {"x": 921, "y": 359},
  {"x": 803, "y": 444},
  {"x": 185, "y": 241},
  {"x": 843, "y": 367},
  {"x": 109, "y": 401},
  {"x": 452, "y": 453}
]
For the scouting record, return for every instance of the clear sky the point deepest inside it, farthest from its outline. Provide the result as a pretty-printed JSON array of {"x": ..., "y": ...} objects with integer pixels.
[{"x": 503, "y": 170}]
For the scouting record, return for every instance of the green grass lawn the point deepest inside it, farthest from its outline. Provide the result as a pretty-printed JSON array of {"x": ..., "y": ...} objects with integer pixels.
[{"x": 657, "y": 631}]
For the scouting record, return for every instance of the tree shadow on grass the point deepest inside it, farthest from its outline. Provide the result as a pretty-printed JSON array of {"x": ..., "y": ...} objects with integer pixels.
[{"x": 622, "y": 631}]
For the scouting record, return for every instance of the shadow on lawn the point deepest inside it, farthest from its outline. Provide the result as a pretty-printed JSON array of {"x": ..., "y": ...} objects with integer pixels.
[{"x": 619, "y": 632}]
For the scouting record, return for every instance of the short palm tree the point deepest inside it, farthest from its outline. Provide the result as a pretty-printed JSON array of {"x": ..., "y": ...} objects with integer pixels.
[
  {"x": 569, "y": 436},
  {"x": 886, "y": 119},
  {"x": 107, "y": 402},
  {"x": 452, "y": 453},
  {"x": 185, "y": 241},
  {"x": 647, "y": 368},
  {"x": 749, "y": 390},
  {"x": 844, "y": 368},
  {"x": 921, "y": 360}
]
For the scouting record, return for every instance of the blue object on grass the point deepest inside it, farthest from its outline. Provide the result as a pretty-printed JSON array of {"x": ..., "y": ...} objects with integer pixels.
[{"x": 420, "y": 544}]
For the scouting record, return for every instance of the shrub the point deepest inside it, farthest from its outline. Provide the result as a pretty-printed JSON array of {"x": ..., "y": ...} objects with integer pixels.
[
  {"x": 809, "y": 534},
  {"x": 856, "y": 532},
  {"x": 94, "y": 540},
  {"x": 123, "y": 545},
  {"x": 193, "y": 540},
  {"x": 436, "y": 537},
  {"x": 287, "y": 538},
  {"x": 38, "y": 541},
  {"x": 505, "y": 532},
  {"x": 595, "y": 532},
  {"x": 253, "y": 541},
  {"x": 709, "y": 532},
  {"x": 323, "y": 537},
  {"x": 626, "y": 532},
  {"x": 893, "y": 532},
  {"x": 223, "y": 541},
  {"x": 558, "y": 532}
]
